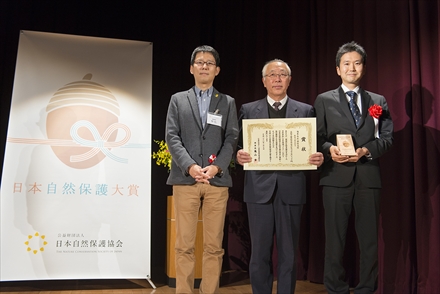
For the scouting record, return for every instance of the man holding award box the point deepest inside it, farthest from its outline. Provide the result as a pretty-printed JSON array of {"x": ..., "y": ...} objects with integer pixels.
[{"x": 354, "y": 129}]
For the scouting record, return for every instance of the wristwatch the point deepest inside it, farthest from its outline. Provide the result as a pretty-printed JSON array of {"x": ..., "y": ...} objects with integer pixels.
[
  {"x": 368, "y": 155},
  {"x": 220, "y": 172}
]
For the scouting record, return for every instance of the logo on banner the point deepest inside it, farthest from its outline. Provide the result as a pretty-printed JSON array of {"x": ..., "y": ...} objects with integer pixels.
[
  {"x": 35, "y": 243},
  {"x": 82, "y": 125}
]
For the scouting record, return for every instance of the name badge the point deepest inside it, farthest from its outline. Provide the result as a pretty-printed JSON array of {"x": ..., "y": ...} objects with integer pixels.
[{"x": 214, "y": 118}]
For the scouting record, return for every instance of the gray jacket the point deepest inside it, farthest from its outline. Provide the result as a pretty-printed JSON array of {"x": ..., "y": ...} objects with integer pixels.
[{"x": 189, "y": 143}]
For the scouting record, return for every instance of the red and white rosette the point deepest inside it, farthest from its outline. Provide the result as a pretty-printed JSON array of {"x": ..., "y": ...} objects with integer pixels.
[
  {"x": 212, "y": 158},
  {"x": 375, "y": 112}
]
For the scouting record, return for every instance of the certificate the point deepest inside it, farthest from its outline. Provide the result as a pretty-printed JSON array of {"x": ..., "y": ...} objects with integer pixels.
[{"x": 279, "y": 144}]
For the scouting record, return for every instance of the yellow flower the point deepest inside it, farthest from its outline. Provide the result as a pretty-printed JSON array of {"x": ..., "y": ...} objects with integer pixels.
[{"x": 162, "y": 156}]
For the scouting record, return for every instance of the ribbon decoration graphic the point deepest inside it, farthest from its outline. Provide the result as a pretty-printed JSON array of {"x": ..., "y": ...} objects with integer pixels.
[{"x": 100, "y": 143}]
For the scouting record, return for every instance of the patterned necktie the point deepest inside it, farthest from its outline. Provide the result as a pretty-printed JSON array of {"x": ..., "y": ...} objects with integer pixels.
[
  {"x": 276, "y": 105},
  {"x": 354, "y": 108}
]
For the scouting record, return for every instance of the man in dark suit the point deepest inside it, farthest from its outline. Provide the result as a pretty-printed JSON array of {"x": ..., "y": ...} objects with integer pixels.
[
  {"x": 274, "y": 198},
  {"x": 201, "y": 133},
  {"x": 352, "y": 181}
]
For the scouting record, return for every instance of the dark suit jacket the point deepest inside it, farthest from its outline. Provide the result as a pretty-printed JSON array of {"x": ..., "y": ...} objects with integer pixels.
[
  {"x": 334, "y": 117},
  {"x": 260, "y": 185},
  {"x": 188, "y": 142}
]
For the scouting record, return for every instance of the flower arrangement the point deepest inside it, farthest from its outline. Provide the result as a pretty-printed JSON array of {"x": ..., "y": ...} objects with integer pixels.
[
  {"x": 375, "y": 110},
  {"x": 162, "y": 156}
]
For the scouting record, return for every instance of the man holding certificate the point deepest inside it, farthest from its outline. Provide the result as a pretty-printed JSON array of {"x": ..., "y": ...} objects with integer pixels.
[
  {"x": 354, "y": 129},
  {"x": 274, "y": 198}
]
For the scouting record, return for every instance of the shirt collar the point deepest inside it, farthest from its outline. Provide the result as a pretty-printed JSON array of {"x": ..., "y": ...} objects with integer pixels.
[
  {"x": 208, "y": 92},
  {"x": 283, "y": 101},
  {"x": 345, "y": 89}
]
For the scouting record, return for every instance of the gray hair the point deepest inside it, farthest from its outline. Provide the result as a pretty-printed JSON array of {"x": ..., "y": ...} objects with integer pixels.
[{"x": 263, "y": 72}]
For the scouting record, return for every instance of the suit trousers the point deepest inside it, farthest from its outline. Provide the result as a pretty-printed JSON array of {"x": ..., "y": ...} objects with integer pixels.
[
  {"x": 265, "y": 220},
  {"x": 212, "y": 200},
  {"x": 338, "y": 203}
]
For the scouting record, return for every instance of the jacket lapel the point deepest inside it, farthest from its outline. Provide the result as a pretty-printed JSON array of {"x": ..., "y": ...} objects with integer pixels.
[
  {"x": 192, "y": 99},
  {"x": 292, "y": 108},
  {"x": 261, "y": 111},
  {"x": 215, "y": 99},
  {"x": 366, "y": 102}
]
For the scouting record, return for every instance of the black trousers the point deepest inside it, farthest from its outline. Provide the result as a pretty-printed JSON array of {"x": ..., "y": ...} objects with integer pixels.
[
  {"x": 266, "y": 220},
  {"x": 338, "y": 204}
]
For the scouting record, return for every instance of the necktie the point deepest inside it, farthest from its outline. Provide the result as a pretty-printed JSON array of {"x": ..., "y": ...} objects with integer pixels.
[
  {"x": 276, "y": 105},
  {"x": 354, "y": 108}
]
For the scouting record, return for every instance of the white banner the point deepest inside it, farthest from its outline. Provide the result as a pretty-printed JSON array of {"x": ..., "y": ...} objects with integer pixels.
[{"x": 76, "y": 189}]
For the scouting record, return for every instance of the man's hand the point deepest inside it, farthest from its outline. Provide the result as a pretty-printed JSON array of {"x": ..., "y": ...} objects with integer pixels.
[
  {"x": 336, "y": 155},
  {"x": 243, "y": 157},
  {"x": 210, "y": 171},
  {"x": 201, "y": 175},
  {"x": 316, "y": 159},
  {"x": 360, "y": 152}
]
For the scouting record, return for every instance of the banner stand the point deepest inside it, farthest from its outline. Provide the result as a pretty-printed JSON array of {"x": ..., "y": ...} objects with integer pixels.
[
  {"x": 76, "y": 181},
  {"x": 151, "y": 282}
]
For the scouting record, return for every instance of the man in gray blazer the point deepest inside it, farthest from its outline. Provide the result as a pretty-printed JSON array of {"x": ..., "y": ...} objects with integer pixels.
[
  {"x": 274, "y": 198},
  {"x": 201, "y": 133},
  {"x": 352, "y": 181}
]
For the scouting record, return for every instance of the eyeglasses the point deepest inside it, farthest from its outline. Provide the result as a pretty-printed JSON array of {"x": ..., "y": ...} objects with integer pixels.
[
  {"x": 273, "y": 76},
  {"x": 201, "y": 63}
]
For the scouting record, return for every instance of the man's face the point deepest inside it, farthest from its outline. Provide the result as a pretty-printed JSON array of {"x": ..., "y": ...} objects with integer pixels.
[
  {"x": 276, "y": 80},
  {"x": 351, "y": 69},
  {"x": 204, "y": 72}
]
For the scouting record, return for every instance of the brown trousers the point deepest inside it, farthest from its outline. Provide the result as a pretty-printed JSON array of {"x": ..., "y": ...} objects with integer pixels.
[{"x": 212, "y": 200}]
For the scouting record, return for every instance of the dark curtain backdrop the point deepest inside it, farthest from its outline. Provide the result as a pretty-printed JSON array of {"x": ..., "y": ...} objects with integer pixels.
[{"x": 402, "y": 41}]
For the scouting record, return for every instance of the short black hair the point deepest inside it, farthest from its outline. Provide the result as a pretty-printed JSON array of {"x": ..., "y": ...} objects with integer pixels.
[
  {"x": 350, "y": 47},
  {"x": 206, "y": 48}
]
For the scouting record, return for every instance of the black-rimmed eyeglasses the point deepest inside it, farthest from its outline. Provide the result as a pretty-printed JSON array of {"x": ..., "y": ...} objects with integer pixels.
[{"x": 201, "y": 63}]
